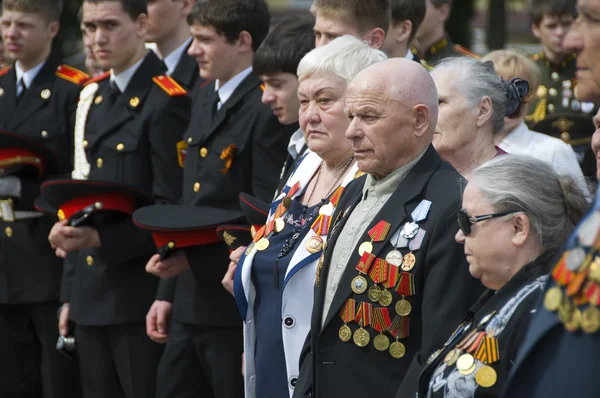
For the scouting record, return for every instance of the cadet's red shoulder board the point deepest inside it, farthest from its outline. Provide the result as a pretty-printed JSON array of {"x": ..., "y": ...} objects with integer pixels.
[
  {"x": 5, "y": 70},
  {"x": 461, "y": 50},
  {"x": 169, "y": 85},
  {"x": 71, "y": 74},
  {"x": 98, "y": 78}
]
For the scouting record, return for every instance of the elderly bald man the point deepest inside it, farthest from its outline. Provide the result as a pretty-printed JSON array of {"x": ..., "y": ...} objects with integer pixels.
[{"x": 392, "y": 283}]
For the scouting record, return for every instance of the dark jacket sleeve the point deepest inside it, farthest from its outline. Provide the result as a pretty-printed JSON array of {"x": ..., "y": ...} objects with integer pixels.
[
  {"x": 166, "y": 289},
  {"x": 304, "y": 384},
  {"x": 449, "y": 292},
  {"x": 67, "y": 277}
]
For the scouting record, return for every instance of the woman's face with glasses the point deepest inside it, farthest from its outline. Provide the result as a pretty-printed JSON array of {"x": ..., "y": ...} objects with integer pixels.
[{"x": 489, "y": 240}]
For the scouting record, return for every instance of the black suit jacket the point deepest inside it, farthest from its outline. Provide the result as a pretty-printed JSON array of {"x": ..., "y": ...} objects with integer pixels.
[
  {"x": 133, "y": 142},
  {"x": 187, "y": 73},
  {"x": 257, "y": 144},
  {"x": 444, "y": 291},
  {"x": 29, "y": 270}
]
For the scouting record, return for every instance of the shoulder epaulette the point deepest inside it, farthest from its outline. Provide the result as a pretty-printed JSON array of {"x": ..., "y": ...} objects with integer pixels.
[
  {"x": 5, "y": 70},
  {"x": 98, "y": 78},
  {"x": 461, "y": 50},
  {"x": 169, "y": 85},
  {"x": 71, "y": 74}
]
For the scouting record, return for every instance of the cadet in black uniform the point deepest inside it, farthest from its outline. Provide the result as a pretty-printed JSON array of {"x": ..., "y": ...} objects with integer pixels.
[
  {"x": 38, "y": 97},
  {"x": 407, "y": 16},
  {"x": 234, "y": 144},
  {"x": 132, "y": 130}
]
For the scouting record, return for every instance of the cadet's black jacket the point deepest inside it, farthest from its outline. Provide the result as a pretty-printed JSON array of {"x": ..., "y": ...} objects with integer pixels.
[
  {"x": 132, "y": 141},
  {"x": 187, "y": 74},
  {"x": 444, "y": 291},
  {"x": 241, "y": 149},
  {"x": 29, "y": 270}
]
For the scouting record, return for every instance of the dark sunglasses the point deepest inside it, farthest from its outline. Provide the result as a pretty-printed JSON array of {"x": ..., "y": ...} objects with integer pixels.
[{"x": 465, "y": 220}]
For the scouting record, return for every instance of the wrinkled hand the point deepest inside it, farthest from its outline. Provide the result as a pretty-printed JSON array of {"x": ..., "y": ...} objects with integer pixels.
[
  {"x": 63, "y": 320},
  {"x": 172, "y": 266},
  {"x": 235, "y": 256},
  {"x": 158, "y": 321},
  {"x": 69, "y": 239}
]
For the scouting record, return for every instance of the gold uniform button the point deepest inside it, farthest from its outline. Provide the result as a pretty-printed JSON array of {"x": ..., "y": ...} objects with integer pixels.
[
  {"x": 203, "y": 152},
  {"x": 120, "y": 147},
  {"x": 196, "y": 187},
  {"x": 565, "y": 136},
  {"x": 89, "y": 260},
  {"x": 99, "y": 163},
  {"x": 85, "y": 143},
  {"x": 553, "y": 92},
  {"x": 44, "y": 134},
  {"x": 190, "y": 140},
  {"x": 8, "y": 231}
]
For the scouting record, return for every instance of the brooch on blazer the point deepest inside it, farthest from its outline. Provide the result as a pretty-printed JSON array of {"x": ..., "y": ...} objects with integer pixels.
[
  {"x": 181, "y": 152},
  {"x": 227, "y": 156}
]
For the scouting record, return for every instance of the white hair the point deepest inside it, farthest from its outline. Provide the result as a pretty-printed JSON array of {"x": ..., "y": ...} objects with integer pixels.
[{"x": 344, "y": 57}]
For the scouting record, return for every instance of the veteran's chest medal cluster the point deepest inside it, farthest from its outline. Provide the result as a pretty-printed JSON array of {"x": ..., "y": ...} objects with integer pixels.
[
  {"x": 576, "y": 295},
  {"x": 388, "y": 275}
]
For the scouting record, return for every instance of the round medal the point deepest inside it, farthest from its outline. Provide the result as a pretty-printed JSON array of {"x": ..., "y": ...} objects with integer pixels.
[
  {"x": 314, "y": 244},
  {"x": 381, "y": 342},
  {"x": 359, "y": 284},
  {"x": 345, "y": 333},
  {"x": 465, "y": 362},
  {"x": 279, "y": 225},
  {"x": 554, "y": 76},
  {"x": 374, "y": 293},
  {"x": 575, "y": 322},
  {"x": 361, "y": 337},
  {"x": 486, "y": 376},
  {"x": 287, "y": 202},
  {"x": 365, "y": 247},
  {"x": 468, "y": 371},
  {"x": 575, "y": 259},
  {"x": 385, "y": 298},
  {"x": 262, "y": 244},
  {"x": 408, "y": 262},
  {"x": 397, "y": 349},
  {"x": 326, "y": 210},
  {"x": 394, "y": 257},
  {"x": 409, "y": 230},
  {"x": 565, "y": 310},
  {"x": 590, "y": 320},
  {"x": 452, "y": 357},
  {"x": 553, "y": 298},
  {"x": 403, "y": 307}
]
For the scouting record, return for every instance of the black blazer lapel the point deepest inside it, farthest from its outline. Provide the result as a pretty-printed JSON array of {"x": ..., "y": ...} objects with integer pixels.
[
  {"x": 38, "y": 94},
  {"x": 8, "y": 99},
  {"x": 394, "y": 212},
  {"x": 186, "y": 71},
  {"x": 250, "y": 82}
]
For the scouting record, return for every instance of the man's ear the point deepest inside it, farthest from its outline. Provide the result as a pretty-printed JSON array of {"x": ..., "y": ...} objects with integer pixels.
[
  {"x": 245, "y": 41},
  {"x": 375, "y": 38},
  {"x": 142, "y": 25},
  {"x": 53, "y": 28},
  {"x": 535, "y": 29},
  {"x": 421, "y": 114}
]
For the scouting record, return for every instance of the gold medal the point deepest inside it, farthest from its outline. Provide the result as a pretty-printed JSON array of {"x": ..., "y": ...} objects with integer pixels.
[
  {"x": 408, "y": 262},
  {"x": 565, "y": 310},
  {"x": 361, "y": 337},
  {"x": 374, "y": 293},
  {"x": 553, "y": 298},
  {"x": 385, "y": 298},
  {"x": 262, "y": 244},
  {"x": 345, "y": 333},
  {"x": 359, "y": 284},
  {"x": 397, "y": 350},
  {"x": 403, "y": 307},
  {"x": 468, "y": 371},
  {"x": 279, "y": 225},
  {"x": 249, "y": 248},
  {"x": 365, "y": 247},
  {"x": 590, "y": 320},
  {"x": 486, "y": 376},
  {"x": 394, "y": 257},
  {"x": 287, "y": 202},
  {"x": 452, "y": 357},
  {"x": 575, "y": 322},
  {"x": 381, "y": 342},
  {"x": 465, "y": 362},
  {"x": 314, "y": 244}
]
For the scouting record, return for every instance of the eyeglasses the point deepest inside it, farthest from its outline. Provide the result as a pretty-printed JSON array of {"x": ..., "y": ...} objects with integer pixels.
[{"x": 465, "y": 220}]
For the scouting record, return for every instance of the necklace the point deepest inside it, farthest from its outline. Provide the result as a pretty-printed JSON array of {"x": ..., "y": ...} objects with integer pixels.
[{"x": 334, "y": 185}]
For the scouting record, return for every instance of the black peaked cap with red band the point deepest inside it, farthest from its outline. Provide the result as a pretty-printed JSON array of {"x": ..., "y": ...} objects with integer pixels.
[
  {"x": 25, "y": 157},
  {"x": 255, "y": 210}
]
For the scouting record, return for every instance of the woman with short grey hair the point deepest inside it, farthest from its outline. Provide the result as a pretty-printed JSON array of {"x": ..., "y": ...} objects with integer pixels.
[
  {"x": 473, "y": 101},
  {"x": 517, "y": 212}
]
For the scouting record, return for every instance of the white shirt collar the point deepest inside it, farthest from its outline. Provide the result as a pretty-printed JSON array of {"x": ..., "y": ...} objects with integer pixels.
[
  {"x": 518, "y": 136},
  {"x": 296, "y": 143},
  {"x": 29, "y": 75},
  {"x": 173, "y": 58},
  {"x": 409, "y": 55},
  {"x": 123, "y": 78},
  {"x": 228, "y": 88}
]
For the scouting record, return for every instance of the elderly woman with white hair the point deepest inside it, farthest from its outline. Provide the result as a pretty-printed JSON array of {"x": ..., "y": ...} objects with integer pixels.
[
  {"x": 473, "y": 101},
  {"x": 275, "y": 276},
  {"x": 516, "y": 214}
]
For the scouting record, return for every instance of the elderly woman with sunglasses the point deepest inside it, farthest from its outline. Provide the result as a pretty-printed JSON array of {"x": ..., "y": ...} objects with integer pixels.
[{"x": 516, "y": 214}]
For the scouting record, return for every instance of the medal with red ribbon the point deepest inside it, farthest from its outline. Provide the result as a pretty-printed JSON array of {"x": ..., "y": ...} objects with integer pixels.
[
  {"x": 406, "y": 284},
  {"x": 323, "y": 221},
  {"x": 365, "y": 262},
  {"x": 381, "y": 322},
  {"x": 364, "y": 315},
  {"x": 348, "y": 313},
  {"x": 377, "y": 234},
  {"x": 379, "y": 271},
  {"x": 400, "y": 327},
  {"x": 359, "y": 283},
  {"x": 392, "y": 276}
]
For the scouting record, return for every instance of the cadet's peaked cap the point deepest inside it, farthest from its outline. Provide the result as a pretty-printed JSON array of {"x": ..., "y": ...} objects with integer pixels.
[
  {"x": 20, "y": 155},
  {"x": 235, "y": 235},
  {"x": 255, "y": 210}
]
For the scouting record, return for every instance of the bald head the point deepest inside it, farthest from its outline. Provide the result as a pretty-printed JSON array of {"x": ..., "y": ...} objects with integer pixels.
[{"x": 393, "y": 105}]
